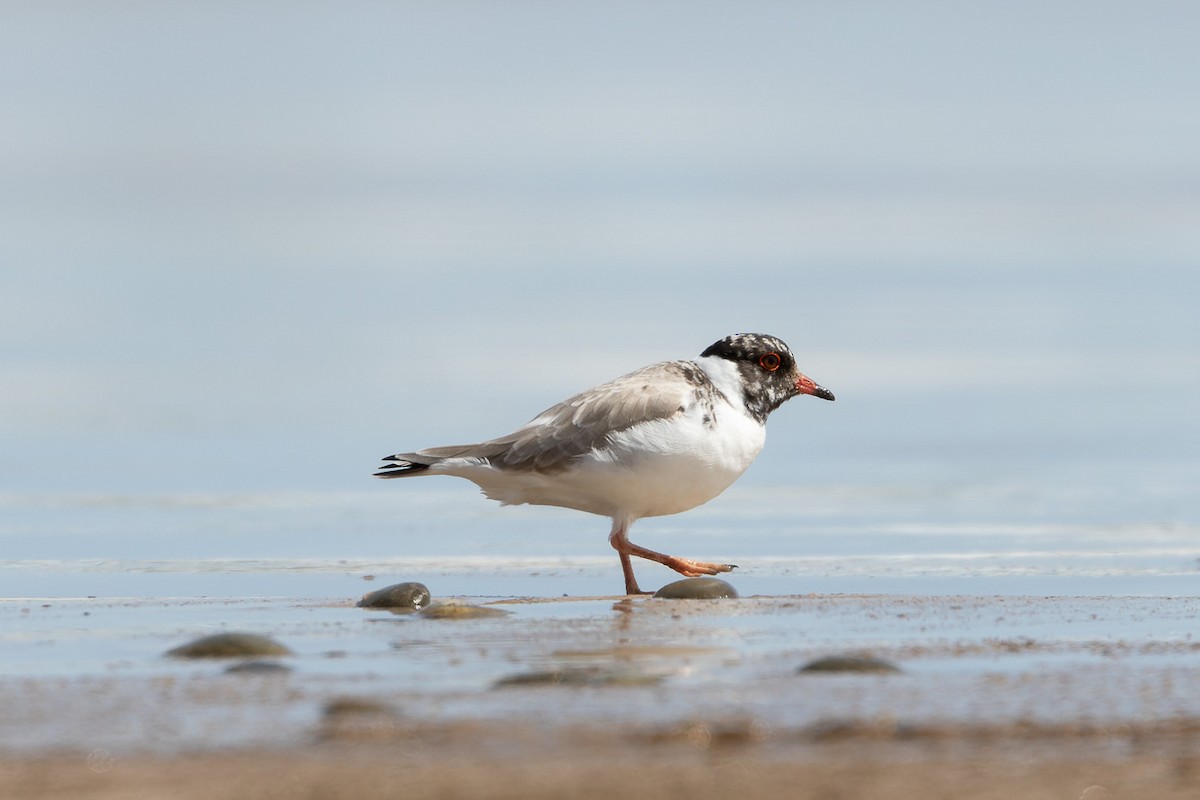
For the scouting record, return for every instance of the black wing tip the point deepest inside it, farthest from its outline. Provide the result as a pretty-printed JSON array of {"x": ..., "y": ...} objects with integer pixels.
[{"x": 399, "y": 468}]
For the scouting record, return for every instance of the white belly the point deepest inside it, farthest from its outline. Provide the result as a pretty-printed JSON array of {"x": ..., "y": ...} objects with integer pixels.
[{"x": 656, "y": 468}]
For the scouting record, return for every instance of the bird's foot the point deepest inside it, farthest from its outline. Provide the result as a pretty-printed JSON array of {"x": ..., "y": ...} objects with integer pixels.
[
  {"x": 694, "y": 569},
  {"x": 684, "y": 566}
]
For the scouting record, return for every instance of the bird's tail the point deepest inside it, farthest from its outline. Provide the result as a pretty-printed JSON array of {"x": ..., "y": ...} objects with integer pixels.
[
  {"x": 401, "y": 465},
  {"x": 404, "y": 464}
]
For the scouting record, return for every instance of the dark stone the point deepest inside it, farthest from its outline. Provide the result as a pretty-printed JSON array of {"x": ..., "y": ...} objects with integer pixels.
[
  {"x": 356, "y": 705},
  {"x": 579, "y": 676},
  {"x": 230, "y": 645},
  {"x": 849, "y": 663},
  {"x": 258, "y": 668},
  {"x": 408, "y": 596}
]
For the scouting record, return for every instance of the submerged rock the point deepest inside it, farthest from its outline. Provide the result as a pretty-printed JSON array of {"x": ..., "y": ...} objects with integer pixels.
[
  {"x": 230, "y": 645},
  {"x": 461, "y": 611},
  {"x": 258, "y": 668},
  {"x": 408, "y": 596},
  {"x": 710, "y": 733},
  {"x": 697, "y": 589},
  {"x": 358, "y": 718},
  {"x": 849, "y": 663},
  {"x": 579, "y": 676},
  {"x": 347, "y": 705}
]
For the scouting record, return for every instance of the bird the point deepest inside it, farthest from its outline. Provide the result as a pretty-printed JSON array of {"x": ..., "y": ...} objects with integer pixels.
[{"x": 660, "y": 440}]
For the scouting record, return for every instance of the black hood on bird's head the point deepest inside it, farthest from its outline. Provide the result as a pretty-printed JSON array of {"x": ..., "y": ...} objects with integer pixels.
[{"x": 768, "y": 371}]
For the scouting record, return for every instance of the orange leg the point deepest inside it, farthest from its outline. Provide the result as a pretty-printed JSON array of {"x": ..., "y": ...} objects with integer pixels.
[{"x": 619, "y": 539}]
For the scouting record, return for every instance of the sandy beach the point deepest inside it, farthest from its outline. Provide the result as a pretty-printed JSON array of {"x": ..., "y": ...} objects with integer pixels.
[
  {"x": 250, "y": 249},
  {"x": 1055, "y": 697},
  {"x": 848, "y": 771}
]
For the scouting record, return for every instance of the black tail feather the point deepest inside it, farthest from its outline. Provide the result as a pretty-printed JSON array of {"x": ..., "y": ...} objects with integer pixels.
[{"x": 400, "y": 467}]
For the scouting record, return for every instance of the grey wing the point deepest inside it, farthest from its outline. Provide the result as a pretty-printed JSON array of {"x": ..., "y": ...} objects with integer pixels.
[
  {"x": 583, "y": 422},
  {"x": 578, "y": 424}
]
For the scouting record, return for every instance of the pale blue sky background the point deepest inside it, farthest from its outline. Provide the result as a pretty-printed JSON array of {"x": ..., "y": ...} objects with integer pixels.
[{"x": 256, "y": 246}]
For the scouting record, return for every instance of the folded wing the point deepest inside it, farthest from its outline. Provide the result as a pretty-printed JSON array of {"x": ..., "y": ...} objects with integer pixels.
[{"x": 576, "y": 426}]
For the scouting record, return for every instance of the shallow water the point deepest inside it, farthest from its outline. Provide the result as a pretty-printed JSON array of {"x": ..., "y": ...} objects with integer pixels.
[
  {"x": 983, "y": 538},
  {"x": 87, "y": 674},
  {"x": 214, "y": 319},
  {"x": 1002, "y": 603}
]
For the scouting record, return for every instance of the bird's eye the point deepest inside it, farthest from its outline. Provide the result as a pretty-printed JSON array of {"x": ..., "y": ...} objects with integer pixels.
[{"x": 769, "y": 361}]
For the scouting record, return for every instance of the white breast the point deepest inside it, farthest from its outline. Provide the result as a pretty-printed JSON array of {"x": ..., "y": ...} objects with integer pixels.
[
  {"x": 669, "y": 466},
  {"x": 661, "y": 467}
]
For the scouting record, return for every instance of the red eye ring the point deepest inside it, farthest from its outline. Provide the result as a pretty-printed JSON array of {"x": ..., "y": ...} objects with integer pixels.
[{"x": 770, "y": 361}]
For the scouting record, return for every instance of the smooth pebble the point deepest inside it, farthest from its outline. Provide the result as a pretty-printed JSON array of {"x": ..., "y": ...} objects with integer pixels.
[
  {"x": 230, "y": 645},
  {"x": 849, "y": 663},
  {"x": 408, "y": 596},
  {"x": 578, "y": 676},
  {"x": 258, "y": 668},
  {"x": 697, "y": 589},
  {"x": 461, "y": 611}
]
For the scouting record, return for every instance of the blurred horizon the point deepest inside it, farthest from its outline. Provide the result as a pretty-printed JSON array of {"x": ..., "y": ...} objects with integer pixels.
[{"x": 254, "y": 248}]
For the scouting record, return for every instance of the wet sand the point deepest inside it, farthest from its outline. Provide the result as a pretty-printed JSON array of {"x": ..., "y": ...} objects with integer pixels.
[
  {"x": 1062, "y": 697},
  {"x": 371, "y": 771}
]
